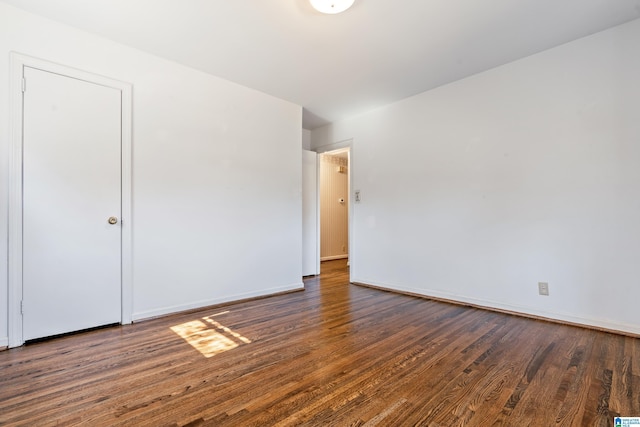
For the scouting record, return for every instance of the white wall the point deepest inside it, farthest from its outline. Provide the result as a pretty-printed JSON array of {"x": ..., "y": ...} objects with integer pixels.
[
  {"x": 478, "y": 190},
  {"x": 306, "y": 139},
  {"x": 213, "y": 220}
]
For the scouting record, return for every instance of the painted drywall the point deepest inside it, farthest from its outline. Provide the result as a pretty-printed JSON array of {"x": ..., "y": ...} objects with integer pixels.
[
  {"x": 334, "y": 207},
  {"x": 530, "y": 172},
  {"x": 306, "y": 139},
  {"x": 210, "y": 212}
]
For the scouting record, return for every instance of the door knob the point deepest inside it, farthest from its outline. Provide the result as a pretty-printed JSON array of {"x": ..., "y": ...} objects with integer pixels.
[{"x": 113, "y": 220}]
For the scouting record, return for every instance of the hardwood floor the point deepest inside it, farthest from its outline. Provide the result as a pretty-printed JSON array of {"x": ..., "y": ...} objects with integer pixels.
[{"x": 335, "y": 354}]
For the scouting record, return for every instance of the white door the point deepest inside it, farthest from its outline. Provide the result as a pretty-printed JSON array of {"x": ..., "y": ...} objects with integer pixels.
[
  {"x": 310, "y": 253},
  {"x": 71, "y": 186}
]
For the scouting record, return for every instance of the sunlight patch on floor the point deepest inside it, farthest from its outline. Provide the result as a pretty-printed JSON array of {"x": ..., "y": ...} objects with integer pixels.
[{"x": 209, "y": 337}]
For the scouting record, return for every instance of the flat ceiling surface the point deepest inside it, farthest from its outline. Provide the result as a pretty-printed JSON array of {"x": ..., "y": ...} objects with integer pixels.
[{"x": 337, "y": 66}]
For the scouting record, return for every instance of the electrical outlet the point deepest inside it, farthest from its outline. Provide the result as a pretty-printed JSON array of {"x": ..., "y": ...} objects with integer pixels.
[
  {"x": 357, "y": 196},
  {"x": 543, "y": 288}
]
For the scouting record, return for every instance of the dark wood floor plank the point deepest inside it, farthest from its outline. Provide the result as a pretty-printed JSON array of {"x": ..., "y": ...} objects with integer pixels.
[
  {"x": 450, "y": 386},
  {"x": 334, "y": 354}
]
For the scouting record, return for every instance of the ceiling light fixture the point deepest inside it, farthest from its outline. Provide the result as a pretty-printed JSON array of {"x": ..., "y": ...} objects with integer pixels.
[{"x": 331, "y": 6}]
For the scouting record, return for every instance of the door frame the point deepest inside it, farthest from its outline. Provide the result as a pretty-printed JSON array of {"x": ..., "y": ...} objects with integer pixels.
[
  {"x": 344, "y": 145},
  {"x": 17, "y": 64}
]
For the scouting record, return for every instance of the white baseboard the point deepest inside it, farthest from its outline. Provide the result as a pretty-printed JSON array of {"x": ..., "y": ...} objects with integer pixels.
[
  {"x": 603, "y": 324},
  {"x": 334, "y": 257},
  {"x": 148, "y": 314}
]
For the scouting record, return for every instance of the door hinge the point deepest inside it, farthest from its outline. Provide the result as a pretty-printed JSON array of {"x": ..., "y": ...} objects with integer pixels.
[
  {"x": 21, "y": 307},
  {"x": 24, "y": 84}
]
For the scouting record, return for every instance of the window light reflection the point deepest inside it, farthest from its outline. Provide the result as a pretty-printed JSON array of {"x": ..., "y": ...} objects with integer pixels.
[{"x": 209, "y": 337}]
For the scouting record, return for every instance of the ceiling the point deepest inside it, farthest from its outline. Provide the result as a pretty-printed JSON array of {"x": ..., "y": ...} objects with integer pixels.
[{"x": 337, "y": 66}]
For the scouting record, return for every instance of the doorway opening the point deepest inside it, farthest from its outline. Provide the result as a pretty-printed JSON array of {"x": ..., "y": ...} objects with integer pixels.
[{"x": 334, "y": 191}]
